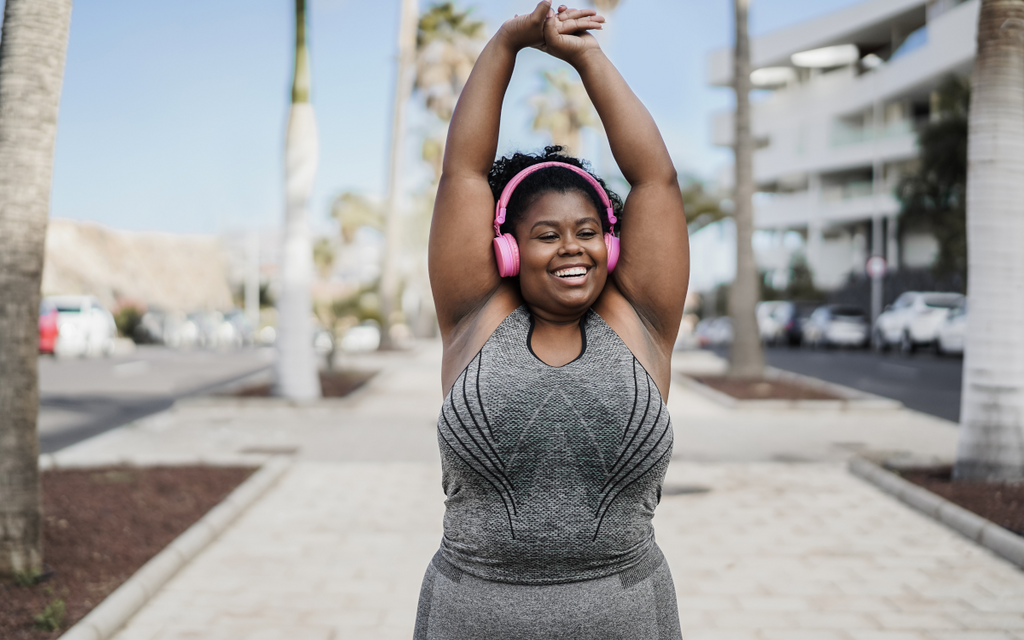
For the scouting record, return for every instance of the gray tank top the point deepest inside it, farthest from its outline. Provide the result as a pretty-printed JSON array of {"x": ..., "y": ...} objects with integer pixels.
[{"x": 552, "y": 474}]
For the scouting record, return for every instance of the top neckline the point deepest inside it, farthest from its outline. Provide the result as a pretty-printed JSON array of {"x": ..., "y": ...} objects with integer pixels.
[{"x": 583, "y": 339}]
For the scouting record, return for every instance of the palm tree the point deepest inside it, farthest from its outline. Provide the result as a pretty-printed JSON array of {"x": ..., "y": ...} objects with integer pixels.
[
  {"x": 746, "y": 359},
  {"x": 404, "y": 80},
  {"x": 563, "y": 110},
  {"x": 296, "y": 363},
  {"x": 33, "y": 47},
  {"x": 448, "y": 43},
  {"x": 992, "y": 430}
]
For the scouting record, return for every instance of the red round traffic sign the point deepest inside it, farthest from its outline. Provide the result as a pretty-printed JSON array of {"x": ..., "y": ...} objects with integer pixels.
[{"x": 876, "y": 267}]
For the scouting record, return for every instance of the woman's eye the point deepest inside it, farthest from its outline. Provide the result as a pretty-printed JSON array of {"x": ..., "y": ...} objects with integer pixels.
[
  {"x": 587, "y": 233},
  {"x": 549, "y": 236}
]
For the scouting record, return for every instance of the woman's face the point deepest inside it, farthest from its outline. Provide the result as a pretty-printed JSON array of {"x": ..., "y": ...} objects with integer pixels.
[{"x": 563, "y": 258}]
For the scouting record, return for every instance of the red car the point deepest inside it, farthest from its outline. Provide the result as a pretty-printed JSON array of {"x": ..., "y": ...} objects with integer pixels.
[{"x": 47, "y": 327}]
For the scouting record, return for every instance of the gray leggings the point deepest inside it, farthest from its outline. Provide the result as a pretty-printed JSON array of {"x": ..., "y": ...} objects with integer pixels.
[{"x": 457, "y": 606}]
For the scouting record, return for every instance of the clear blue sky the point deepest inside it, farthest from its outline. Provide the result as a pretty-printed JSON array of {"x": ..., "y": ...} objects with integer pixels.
[{"x": 173, "y": 113}]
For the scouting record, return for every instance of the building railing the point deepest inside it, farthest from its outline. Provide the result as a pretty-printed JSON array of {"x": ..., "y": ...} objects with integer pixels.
[{"x": 845, "y": 134}]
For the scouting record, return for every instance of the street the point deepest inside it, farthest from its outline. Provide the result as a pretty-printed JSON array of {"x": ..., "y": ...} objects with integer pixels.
[
  {"x": 80, "y": 398},
  {"x": 924, "y": 381}
]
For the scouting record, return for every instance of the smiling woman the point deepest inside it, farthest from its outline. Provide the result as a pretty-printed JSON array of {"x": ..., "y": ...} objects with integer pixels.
[{"x": 558, "y": 323}]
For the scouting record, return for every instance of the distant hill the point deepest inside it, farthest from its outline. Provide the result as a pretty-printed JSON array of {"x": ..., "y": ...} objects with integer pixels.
[{"x": 174, "y": 272}]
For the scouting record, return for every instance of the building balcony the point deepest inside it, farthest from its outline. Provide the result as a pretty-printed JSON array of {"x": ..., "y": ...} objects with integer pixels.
[
  {"x": 834, "y": 205},
  {"x": 804, "y": 128}
]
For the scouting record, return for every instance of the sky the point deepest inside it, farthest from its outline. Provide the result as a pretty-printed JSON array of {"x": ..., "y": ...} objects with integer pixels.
[{"x": 173, "y": 113}]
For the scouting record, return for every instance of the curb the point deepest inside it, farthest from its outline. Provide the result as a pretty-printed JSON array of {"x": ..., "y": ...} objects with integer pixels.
[
  {"x": 115, "y": 610},
  {"x": 972, "y": 526}
]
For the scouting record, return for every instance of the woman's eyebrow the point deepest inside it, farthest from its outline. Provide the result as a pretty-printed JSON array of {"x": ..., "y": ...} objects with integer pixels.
[{"x": 554, "y": 223}]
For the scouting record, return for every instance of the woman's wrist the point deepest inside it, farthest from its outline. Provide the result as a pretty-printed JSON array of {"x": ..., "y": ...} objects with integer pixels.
[
  {"x": 588, "y": 60},
  {"x": 507, "y": 42}
]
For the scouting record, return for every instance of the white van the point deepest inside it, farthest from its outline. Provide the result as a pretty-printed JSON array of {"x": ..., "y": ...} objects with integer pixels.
[{"x": 84, "y": 327}]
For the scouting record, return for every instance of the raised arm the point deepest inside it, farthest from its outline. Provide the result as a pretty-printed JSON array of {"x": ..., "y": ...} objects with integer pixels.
[
  {"x": 653, "y": 269},
  {"x": 463, "y": 274}
]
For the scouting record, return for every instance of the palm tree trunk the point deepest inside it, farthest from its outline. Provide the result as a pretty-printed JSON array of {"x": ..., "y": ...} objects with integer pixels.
[
  {"x": 296, "y": 362},
  {"x": 405, "y": 79},
  {"x": 746, "y": 360},
  {"x": 992, "y": 410},
  {"x": 33, "y": 47}
]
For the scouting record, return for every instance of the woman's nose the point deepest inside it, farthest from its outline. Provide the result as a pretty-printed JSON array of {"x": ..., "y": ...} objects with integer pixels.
[{"x": 570, "y": 246}]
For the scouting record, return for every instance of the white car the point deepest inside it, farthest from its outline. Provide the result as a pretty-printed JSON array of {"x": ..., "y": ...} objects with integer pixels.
[
  {"x": 84, "y": 327},
  {"x": 769, "y": 325},
  {"x": 953, "y": 331},
  {"x": 913, "y": 320}
]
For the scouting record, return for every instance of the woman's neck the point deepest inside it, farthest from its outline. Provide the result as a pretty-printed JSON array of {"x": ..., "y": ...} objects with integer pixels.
[{"x": 556, "y": 340}]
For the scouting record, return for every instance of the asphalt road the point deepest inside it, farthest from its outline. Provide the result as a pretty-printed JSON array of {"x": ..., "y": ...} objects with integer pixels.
[
  {"x": 923, "y": 381},
  {"x": 81, "y": 398}
]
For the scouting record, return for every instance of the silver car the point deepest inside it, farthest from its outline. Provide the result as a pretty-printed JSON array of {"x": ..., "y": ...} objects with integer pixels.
[{"x": 836, "y": 325}]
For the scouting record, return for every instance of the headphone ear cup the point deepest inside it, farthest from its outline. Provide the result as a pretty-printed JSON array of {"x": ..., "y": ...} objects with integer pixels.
[
  {"x": 612, "y": 243},
  {"x": 506, "y": 253}
]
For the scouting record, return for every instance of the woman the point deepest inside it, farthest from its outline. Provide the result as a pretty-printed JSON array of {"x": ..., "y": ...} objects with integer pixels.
[{"x": 557, "y": 337}]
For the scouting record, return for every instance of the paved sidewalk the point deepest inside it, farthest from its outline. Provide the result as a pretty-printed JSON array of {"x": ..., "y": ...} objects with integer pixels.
[{"x": 775, "y": 549}]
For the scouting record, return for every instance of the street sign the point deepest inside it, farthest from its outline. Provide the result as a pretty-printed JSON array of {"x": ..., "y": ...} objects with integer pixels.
[{"x": 876, "y": 267}]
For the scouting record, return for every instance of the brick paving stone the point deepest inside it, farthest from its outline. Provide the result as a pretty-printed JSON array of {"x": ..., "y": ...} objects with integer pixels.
[{"x": 774, "y": 550}]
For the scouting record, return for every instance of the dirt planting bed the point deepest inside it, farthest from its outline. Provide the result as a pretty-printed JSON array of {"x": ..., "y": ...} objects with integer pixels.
[
  {"x": 335, "y": 384},
  {"x": 999, "y": 502},
  {"x": 99, "y": 527},
  {"x": 765, "y": 389}
]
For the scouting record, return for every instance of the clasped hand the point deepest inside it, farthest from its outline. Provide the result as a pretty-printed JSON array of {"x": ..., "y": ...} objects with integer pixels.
[{"x": 564, "y": 33}]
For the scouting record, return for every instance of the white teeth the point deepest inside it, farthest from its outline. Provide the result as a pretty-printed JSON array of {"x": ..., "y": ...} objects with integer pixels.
[{"x": 571, "y": 272}]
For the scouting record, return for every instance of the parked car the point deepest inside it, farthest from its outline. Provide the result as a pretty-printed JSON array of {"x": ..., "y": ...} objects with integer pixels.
[
  {"x": 953, "y": 331},
  {"x": 768, "y": 326},
  {"x": 84, "y": 327},
  {"x": 714, "y": 332},
  {"x": 788, "y": 320},
  {"x": 836, "y": 325},
  {"x": 47, "y": 327},
  {"x": 913, "y": 320},
  {"x": 362, "y": 337}
]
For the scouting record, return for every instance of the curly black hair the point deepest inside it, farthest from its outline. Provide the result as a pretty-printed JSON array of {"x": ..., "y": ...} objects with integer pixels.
[{"x": 544, "y": 181}]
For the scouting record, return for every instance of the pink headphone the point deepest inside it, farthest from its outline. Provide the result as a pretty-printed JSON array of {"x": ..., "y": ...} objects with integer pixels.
[{"x": 506, "y": 251}]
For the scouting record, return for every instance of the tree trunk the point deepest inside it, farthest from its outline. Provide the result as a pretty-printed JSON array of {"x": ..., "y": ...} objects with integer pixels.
[
  {"x": 992, "y": 410},
  {"x": 405, "y": 79},
  {"x": 33, "y": 47},
  {"x": 746, "y": 360},
  {"x": 296, "y": 362}
]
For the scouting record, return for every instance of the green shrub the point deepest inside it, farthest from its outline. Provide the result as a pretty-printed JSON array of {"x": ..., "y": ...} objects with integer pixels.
[
  {"x": 127, "y": 318},
  {"x": 52, "y": 617}
]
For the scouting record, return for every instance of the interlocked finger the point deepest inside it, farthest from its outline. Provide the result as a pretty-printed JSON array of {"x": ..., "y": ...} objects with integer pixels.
[{"x": 576, "y": 14}]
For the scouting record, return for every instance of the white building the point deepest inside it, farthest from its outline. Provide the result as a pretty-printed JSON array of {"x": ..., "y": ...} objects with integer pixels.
[{"x": 836, "y": 127}]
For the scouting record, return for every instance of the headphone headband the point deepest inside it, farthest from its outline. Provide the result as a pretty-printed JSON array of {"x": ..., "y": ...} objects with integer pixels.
[{"x": 506, "y": 193}]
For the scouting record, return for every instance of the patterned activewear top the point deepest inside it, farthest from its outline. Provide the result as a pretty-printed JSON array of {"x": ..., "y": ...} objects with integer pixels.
[{"x": 552, "y": 474}]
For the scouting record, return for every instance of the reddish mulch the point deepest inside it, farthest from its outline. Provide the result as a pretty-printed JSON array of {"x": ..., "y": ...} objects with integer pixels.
[
  {"x": 1000, "y": 502},
  {"x": 334, "y": 384},
  {"x": 102, "y": 525},
  {"x": 762, "y": 389}
]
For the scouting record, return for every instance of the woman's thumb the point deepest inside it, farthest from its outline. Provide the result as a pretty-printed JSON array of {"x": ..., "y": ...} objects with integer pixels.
[{"x": 542, "y": 10}]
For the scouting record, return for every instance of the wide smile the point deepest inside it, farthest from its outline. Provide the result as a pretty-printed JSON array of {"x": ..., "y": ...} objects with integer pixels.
[{"x": 574, "y": 275}]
